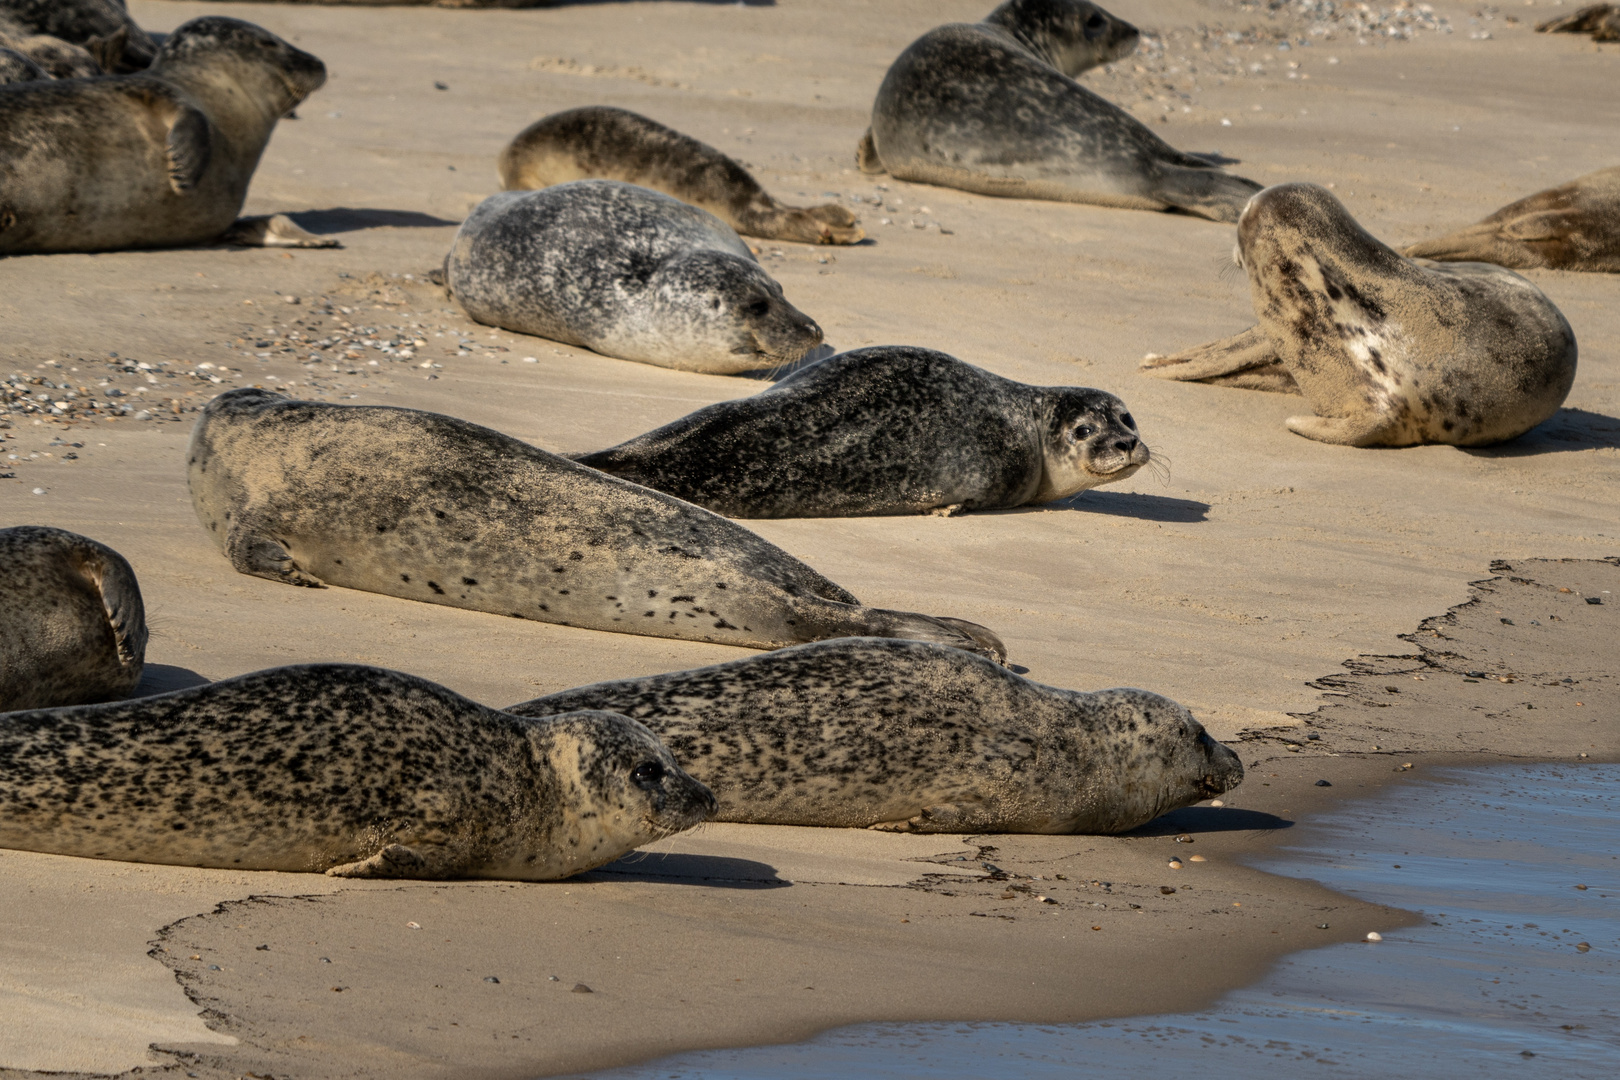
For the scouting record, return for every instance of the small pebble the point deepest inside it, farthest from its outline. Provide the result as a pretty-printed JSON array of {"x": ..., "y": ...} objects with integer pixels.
[
  {"x": 261, "y": 948},
  {"x": 491, "y": 979},
  {"x": 1374, "y": 935},
  {"x": 581, "y": 988},
  {"x": 1594, "y": 599},
  {"x": 552, "y": 978},
  {"x": 290, "y": 299},
  {"x": 1096, "y": 928},
  {"x": 324, "y": 960},
  {"x": 1175, "y": 864},
  {"x": 1321, "y": 926},
  {"x": 1581, "y": 887},
  {"x": 196, "y": 956},
  {"x": 1046, "y": 899},
  {"x": 1199, "y": 858},
  {"x": 1583, "y": 946},
  {"x": 1323, "y": 783},
  {"x": 1184, "y": 838},
  {"x": 1216, "y": 802},
  {"x": 213, "y": 967},
  {"x": 39, "y": 491},
  {"x": 414, "y": 925},
  {"x": 1166, "y": 890}
]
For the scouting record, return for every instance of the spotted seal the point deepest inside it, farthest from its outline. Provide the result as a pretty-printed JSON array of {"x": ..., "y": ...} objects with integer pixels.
[
  {"x": 992, "y": 107},
  {"x": 887, "y": 430},
  {"x": 1389, "y": 351},
  {"x": 160, "y": 158},
  {"x": 72, "y": 624},
  {"x": 336, "y": 768},
  {"x": 601, "y": 142},
  {"x": 16, "y": 67},
  {"x": 624, "y": 271},
  {"x": 103, "y": 29},
  {"x": 431, "y": 508},
  {"x": 1575, "y": 226},
  {"x": 908, "y": 736}
]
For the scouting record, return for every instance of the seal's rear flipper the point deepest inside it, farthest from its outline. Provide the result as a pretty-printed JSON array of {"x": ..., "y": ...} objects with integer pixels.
[
  {"x": 879, "y": 622},
  {"x": 1205, "y": 191},
  {"x": 273, "y": 230},
  {"x": 1339, "y": 430},
  {"x": 393, "y": 861},
  {"x": 866, "y": 155},
  {"x": 1249, "y": 361}
]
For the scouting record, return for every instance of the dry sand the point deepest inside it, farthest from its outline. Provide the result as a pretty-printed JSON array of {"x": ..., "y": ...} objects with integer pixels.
[{"x": 1263, "y": 563}]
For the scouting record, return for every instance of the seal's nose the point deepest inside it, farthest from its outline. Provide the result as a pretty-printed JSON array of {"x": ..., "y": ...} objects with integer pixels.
[{"x": 1126, "y": 445}]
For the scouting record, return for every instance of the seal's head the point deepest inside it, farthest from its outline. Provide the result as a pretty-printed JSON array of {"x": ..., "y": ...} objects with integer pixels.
[
  {"x": 1072, "y": 35},
  {"x": 1090, "y": 440},
  {"x": 251, "y": 55},
  {"x": 715, "y": 302}
]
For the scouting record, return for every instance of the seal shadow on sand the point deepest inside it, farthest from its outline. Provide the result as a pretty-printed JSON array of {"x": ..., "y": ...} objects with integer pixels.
[
  {"x": 1211, "y": 819},
  {"x": 1130, "y": 504},
  {"x": 1568, "y": 430},
  {"x": 340, "y": 219},
  {"x": 717, "y": 871},
  {"x": 166, "y": 678}
]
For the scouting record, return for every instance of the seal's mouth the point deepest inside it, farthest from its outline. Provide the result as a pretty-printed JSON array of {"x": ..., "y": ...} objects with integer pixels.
[{"x": 1114, "y": 474}]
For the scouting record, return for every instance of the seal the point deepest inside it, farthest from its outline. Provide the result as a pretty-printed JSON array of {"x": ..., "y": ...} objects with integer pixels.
[
  {"x": 16, "y": 67},
  {"x": 72, "y": 625},
  {"x": 103, "y": 28},
  {"x": 887, "y": 430},
  {"x": 160, "y": 158},
  {"x": 601, "y": 142},
  {"x": 993, "y": 108},
  {"x": 1389, "y": 351},
  {"x": 352, "y": 771},
  {"x": 626, "y": 272},
  {"x": 907, "y": 736},
  {"x": 1602, "y": 21},
  {"x": 1575, "y": 226},
  {"x": 55, "y": 58},
  {"x": 427, "y": 507}
]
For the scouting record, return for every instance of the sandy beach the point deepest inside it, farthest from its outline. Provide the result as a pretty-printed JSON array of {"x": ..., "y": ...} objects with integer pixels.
[{"x": 1311, "y": 604}]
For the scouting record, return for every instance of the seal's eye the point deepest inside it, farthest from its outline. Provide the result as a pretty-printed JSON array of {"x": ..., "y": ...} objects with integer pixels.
[
  {"x": 1095, "y": 24},
  {"x": 647, "y": 774},
  {"x": 1125, "y": 418},
  {"x": 758, "y": 309},
  {"x": 1084, "y": 431}
]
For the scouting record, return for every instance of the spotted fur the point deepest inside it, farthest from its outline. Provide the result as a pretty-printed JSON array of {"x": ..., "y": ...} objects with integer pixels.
[
  {"x": 1575, "y": 226},
  {"x": 16, "y": 67},
  {"x": 101, "y": 29}
]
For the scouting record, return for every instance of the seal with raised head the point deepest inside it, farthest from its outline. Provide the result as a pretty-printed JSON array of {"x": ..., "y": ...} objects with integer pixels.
[
  {"x": 102, "y": 28},
  {"x": 72, "y": 625},
  {"x": 602, "y": 142},
  {"x": 992, "y": 107},
  {"x": 160, "y": 158},
  {"x": 1389, "y": 351},
  {"x": 431, "y": 508},
  {"x": 336, "y": 768},
  {"x": 624, "y": 271},
  {"x": 906, "y": 736},
  {"x": 886, "y": 430},
  {"x": 1575, "y": 226}
]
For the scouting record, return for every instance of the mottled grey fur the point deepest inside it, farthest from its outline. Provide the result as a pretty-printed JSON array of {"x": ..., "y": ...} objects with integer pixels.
[
  {"x": 627, "y": 272},
  {"x": 156, "y": 159},
  {"x": 863, "y": 733},
  {"x": 103, "y": 28},
  {"x": 72, "y": 625},
  {"x": 993, "y": 107},
  {"x": 601, "y": 142},
  {"x": 1389, "y": 351},
  {"x": 431, "y": 508},
  {"x": 888, "y": 430},
  {"x": 354, "y": 771},
  {"x": 1602, "y": 21},
  {"x": 15, "y": 67},
  {"x": 1575, "y": 226}
]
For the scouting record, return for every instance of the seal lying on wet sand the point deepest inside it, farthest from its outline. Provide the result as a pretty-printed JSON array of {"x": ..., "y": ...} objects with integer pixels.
[
  {"x": 888, "y": 430},
  {"x": 1389, "y": 351},
  {"x": 906, "y": 736},
  {"x": 1575, "y": 226},
  {"x": 354, "y": 771}
]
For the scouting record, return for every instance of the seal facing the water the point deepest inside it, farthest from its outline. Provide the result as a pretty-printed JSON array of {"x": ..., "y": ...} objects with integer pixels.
[
  {"x": 901, "y": 735},
  {"x": 354, "y": 771},
  {"x": 431, "y": 508},
  {"x": 624, "y": 271},
  {"x": 993, "y": 107},
  {"x": 72, "y": 625},
  {"x": 1389, "y": 351},
  {"x": 887, "y": 430},
  {"x": 601, "y": 142},
  {"x": 1575, "y": 226}
]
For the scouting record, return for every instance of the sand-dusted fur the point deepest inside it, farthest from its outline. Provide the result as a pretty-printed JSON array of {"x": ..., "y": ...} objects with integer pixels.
[
  {"x": 431, "y": 508},
  {"x": 160, "y": 158},
  {"x": 993, "y": 107},
  {"x": 354, "y": 771},
  {"x": 627, "y": 272},
  {"x": 72, "y": 625},
  {"x": 1389, "y": 351},
  {"x": 1575, "y": 226},
  {"x": 601, "y": 142},
  {"x": 863, "y": 733},
  {"x": 887, "y": 430},
  {"x": 102, "y": 28},
  {"x": 1602, "y": 21}
]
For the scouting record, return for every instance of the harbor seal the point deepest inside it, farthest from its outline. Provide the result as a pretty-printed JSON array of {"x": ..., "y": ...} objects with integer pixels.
[
  {"x": 626, "y": 272},
  {"x": 352, "y": 771},
  {"x": 102, "y": 28},
  {"x": 1389, "y": 351},
  {"x": 160, "y": 158},
  {"x": 888, "y": 430},
  {"x": 993, "y": 108},
  {"x": 601, "y": 142},
  {"x": 72, "y": 625},
  {"x": 1602, "y": 21},
  {"x": 906, "y": 736},
  {"x": 431, "y": 508},
  {"x": 16, "y": 67},
  {"x": 1575, "y": 226}
]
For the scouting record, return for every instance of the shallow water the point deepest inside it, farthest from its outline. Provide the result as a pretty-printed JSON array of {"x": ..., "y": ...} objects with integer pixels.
[{"x": 1492, "y": 984}]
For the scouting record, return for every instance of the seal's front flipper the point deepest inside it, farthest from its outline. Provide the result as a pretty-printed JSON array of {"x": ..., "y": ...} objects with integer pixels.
[
  {"x": 866, "y": 155},
  {"x": 273, "y": 230},
  {"x": 121, "y": 599},
  {"x": 1248, "y": 360},
  {"x": 393, "y": 861},
  {"x": 259, "y": 555},
  {"x": 946, "y": 817},
  {"x": 189, "y": 147},
  {"x": 1339, "y": 430}
]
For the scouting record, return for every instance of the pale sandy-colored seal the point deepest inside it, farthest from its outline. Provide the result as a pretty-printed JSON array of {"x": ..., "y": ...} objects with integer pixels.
[
  {"x": 993, "y": 108},
  {"x": 72, "y": 625},
  {"x": 1602, "y": 21},
  {"x": 354, "y": 771},
  {"x": 1389, "y": 351},
  {"x": 624, "y": 271},
  {"x": 887, "y": 430},
  {"x": 901, "y": 735},
  {"x": 159, "y": 158},
  {"x": 601, "y": 142},
  {"x": 1575, "y": 226},
  {"x": 431, "y": 508},
  {"x": 102, "y": 29}
]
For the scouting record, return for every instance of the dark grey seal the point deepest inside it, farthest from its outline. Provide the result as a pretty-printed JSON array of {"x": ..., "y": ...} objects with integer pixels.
[
  {"x": 72, "y": 625},
  {"x": 1575, "y": 226},
  {"x": 900, "y": 735},
  {"x": 103, "y": 28},
  {"x": 430, "y": 508},
  {"x": 888, "y": 430},
  {"x": 627, "y": 272},
  {"x": 352, "y": 771},
  {"x": 993, "y": 108}
]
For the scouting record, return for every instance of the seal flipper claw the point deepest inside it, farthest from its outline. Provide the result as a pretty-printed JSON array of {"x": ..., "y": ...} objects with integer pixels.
[
  {"x": 1249, "y": 360},
  {"x": 189, "y": 147},
  {"x": 393, "y": 861},
  {"x": 988, "y": 642}
]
